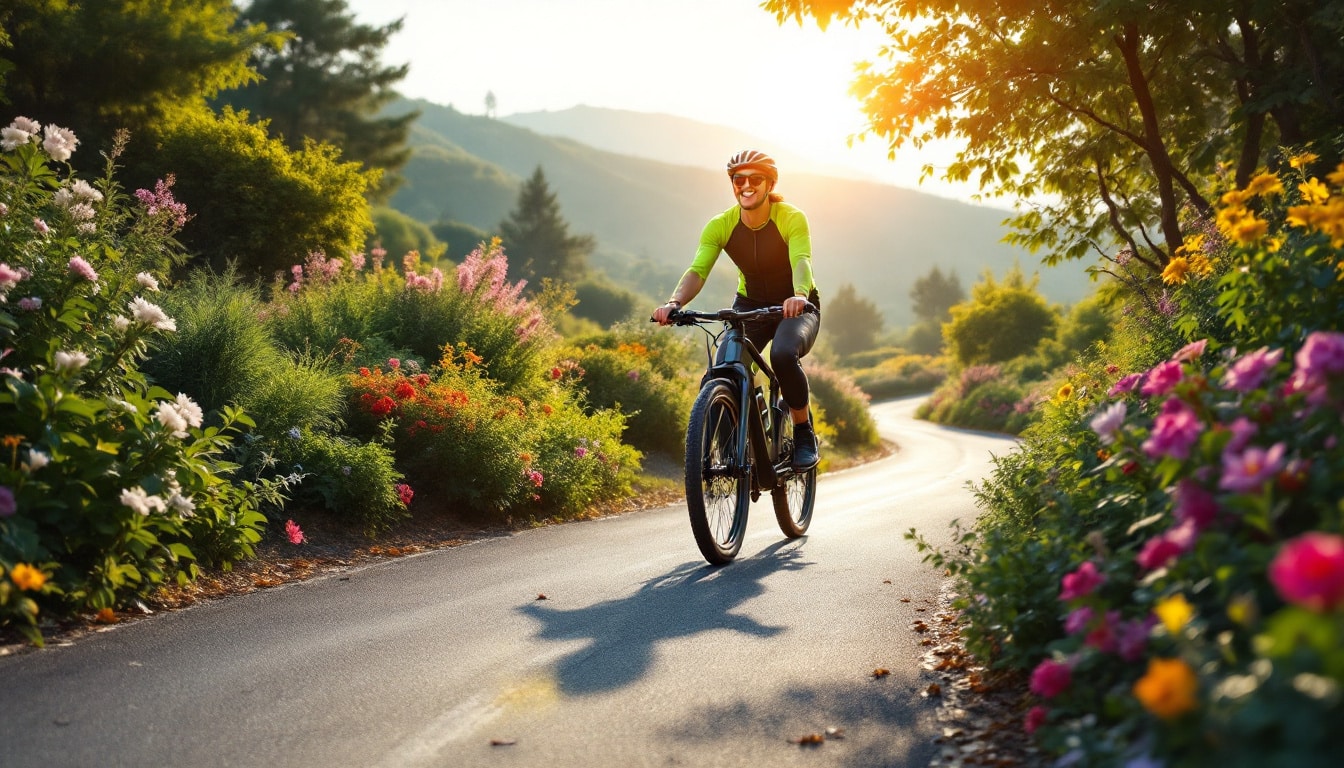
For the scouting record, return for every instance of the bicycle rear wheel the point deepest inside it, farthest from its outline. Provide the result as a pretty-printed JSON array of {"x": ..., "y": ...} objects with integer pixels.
[
  {"x": 717, "y": 487},
  {"x": 796, "y": 492}
]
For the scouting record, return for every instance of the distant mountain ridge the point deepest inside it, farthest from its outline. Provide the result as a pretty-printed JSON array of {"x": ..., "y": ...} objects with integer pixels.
[{"x": 646, "y": 214}]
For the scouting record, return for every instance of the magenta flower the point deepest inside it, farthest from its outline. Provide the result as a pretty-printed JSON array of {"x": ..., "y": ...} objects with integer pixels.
[
  {"x": 404, "y": 493},
  {"x": 1035, "y": 719},
  {"x": 1103, "y": 636},
  {"x": 293, "y": 532},
  {"x": 1162, "y": 378},
  {"x": 1051, "y": 678},
  {"x": 1176, "y": 429},
  {"x": 1243, "y": 430},
  {"x": 1131, "y": 637},
  {"x": 1160, "y": 551},
  {"x": 580, "y": 451},
  {"x": 1195, "y": 504},
  {"x": 1247, "y": 373},
  {"x": 1321, "y": 355},
  {"x": 1081, "y": 582},
  {"x": 1309, "y": 571},
  {"x": 8, "y": 504},
  {"x": 535, "y": 477},
  {"x": 1078, "y": 620},
  {"x": 1252, "y": 468},
  {"x": 1125, "y": 385}
]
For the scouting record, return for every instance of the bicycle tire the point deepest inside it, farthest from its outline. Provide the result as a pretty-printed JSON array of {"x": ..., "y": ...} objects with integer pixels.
[
  {"x": 718, "y": 490},
  {"x": 795, "y": 493}
]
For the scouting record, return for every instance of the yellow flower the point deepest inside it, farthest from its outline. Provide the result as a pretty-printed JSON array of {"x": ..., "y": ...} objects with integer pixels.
[
  {"x": 1337, "y": 176},
  {"x": 1302, "y": 160},
  {"x": 1169, "y": 689},
  {"x": 1236, "y": 197},
  {"x": 1200, "y": 265},
  {"x": 26, "y": 576},
  {"x": 1174, "y": 612},
  {"x": 1313, "y": 191},
  {"x": 1249, "y": 229},
  {"x": 1174, "y": 274},
  {"x": 1265, "y": 184},
  {"x": 1064, "y": 393},
  {"x": 1193, "y": 243}
]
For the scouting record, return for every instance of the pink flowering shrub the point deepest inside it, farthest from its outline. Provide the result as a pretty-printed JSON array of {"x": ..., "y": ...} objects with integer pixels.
[
  {"x": 110, "y": 487},
  {"x": 1171, "y": 529}
]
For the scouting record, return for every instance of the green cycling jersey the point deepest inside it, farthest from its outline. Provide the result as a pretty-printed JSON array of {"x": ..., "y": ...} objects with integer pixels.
[{"x": 773, "y": 262}]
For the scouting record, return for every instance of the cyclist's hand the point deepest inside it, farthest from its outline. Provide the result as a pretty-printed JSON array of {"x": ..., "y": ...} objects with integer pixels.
[
  {"x": 795, "y": 306},
  {"x": 661, "y": 314}
]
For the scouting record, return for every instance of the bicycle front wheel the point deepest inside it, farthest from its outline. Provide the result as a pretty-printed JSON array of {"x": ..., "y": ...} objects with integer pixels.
[
  {"x": 718, "y": 490},
  {"x": 795, "y": 494}
]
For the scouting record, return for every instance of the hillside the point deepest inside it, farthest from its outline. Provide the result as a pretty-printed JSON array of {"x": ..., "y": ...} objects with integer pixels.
[{"x": 647, "y": 214}]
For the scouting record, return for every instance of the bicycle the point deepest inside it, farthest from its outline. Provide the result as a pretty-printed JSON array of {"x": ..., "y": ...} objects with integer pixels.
[{"x": 731, "y": 460}]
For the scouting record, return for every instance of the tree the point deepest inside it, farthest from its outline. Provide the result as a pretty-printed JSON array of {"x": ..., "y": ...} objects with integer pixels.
[
  {"x": 100, "y": 67},
  {"x": 1001, "y": 321},
  {"x": 852, "y": 322},
  {"x": 537, "y": 238},
  {"x": 1119, "y": 116},
  {"x": 327, "y": 82},
  {"x": 490, "y": 104},
  {"x": 934, "y": 294}
]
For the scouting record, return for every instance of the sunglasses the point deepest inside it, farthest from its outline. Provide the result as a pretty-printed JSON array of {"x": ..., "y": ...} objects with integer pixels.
[{"x": 741, "y": 180}]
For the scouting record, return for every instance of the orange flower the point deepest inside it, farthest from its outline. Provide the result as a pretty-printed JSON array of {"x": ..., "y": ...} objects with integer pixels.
[
  {"x": 1169, "y": 689},
  {"x": 1174, "y": 274},
  {"x": 26, "y": 576}
]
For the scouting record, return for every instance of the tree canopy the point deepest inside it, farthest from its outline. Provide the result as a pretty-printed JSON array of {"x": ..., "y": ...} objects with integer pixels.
[
  {"x": 326, "y": 82},
  {"x": 934, "y": 294},
  {"x": 1113, "y": 118},
  {"x": 537, "y": 237},
  {"x": 1001, "y": 320},
  {"x": 853, "y": 322}
]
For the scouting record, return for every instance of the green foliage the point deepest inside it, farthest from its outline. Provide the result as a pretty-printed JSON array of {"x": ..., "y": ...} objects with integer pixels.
[
  {"x": 900, "y": 375},
  {"x": 925, "y": 338},
  {"x": 852, "y": 322},
  {"x": 253, "y": 201},
  {"x": 460, "y": 239},
  {"x": 111, "y": 487},
  {"x": 845, "y": 407},
  {"x": 354, "y": 479},
  {"x": 538, "y": 237},
  {"x": 1000, "y": 321},
  {"x": 397, "y": 233},
  {"x": 326, "y": 82},
  {"x": 604, "y": 302}
]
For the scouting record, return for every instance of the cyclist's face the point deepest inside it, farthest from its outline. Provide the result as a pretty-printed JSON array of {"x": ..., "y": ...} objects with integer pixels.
[{"x": 751, "y": 188}]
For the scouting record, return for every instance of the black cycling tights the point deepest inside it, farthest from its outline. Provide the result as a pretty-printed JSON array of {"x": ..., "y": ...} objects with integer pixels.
[{"x": 791, "y": 339}]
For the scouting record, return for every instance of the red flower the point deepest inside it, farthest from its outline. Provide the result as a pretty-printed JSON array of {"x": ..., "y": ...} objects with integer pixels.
[
  {"x": 1035, "y": 719},
  {"x": 404, "y": 390},
  {"x": 364, "y": 372},
  {"x": 1309, "y": 571},
  {"x": 383, "y": 406},
  {"x": 405, "y": 493}
]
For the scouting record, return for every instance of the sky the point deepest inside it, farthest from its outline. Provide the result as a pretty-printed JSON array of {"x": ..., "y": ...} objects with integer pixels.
[{"x": 725, "y": 62}]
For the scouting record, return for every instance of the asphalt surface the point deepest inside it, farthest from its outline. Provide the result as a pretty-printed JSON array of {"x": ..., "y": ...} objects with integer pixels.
[{"x": 639, "y": 655}]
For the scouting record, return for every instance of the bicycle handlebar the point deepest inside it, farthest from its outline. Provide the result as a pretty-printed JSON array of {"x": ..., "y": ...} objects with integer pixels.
[{"x": 691, "y": 317}]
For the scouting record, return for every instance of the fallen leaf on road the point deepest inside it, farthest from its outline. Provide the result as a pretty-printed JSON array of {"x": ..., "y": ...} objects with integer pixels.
[
  {"x": 881, "y": 672},
  {"x": 503, "y": 742},
  {"x": 810, "y": 740},
  {"x": 542, "y": 596},
  {"x": 934, "y": 689}
]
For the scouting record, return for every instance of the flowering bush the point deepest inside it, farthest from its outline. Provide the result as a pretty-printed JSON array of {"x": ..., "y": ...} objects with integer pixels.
[
  {"x": 1166, "y": 552},
  {"x": 108, "y": 486}
]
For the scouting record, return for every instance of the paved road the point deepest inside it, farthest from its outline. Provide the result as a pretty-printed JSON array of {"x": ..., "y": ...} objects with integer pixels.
[{"x": 641, "y": 655}]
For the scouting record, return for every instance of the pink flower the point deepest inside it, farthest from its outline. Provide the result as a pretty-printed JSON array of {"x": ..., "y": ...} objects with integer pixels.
[
  {"x": 1078, "y": 620},
  {"x": 1161, "y": 550},
  {"x": 1176, "y": 429},
  {"x": 40, "y": 226},
  {"x": 8, "y": 504},
  {"x": 1131, "y": 637},
  {"x": 161, "y": 200},
  {"x": 1248, "y": 371},
  {"x": 1252, "y": 468},
  {"x": 1035, "y": 719},
  {"x": 293, "y": 532},
  {"x": 1309, "y": 571},
  {"x": 1162, "y": 378},
  {"x": 1081, "y": 582},
  {"x": 633, "y": 375},
  {"x": 30, "y": 303},
  {"x": 1243, "y": 429},
  {"x": 1103, "y": 636},
  {"x": 1321, "y": 355},
  {"x": 404, "y": 493},
  {"x": 1051, "y": 678},
  {"x": 78, "y": 266},
  {"x": 1190, "y": 352},
  {"x": 1108, "y": 422},
  {"x": 1125, "y": 385},
  {"x": 1195, "y": 504},
  {"x": 10, "y": 277},
  {"x": 393, "y": 363},
  {"x": 580, "y": 451},
  {"x": 357, "y": 261},
  {"x": 535, "y": 477},
  {"x": 59, "y": 143}
]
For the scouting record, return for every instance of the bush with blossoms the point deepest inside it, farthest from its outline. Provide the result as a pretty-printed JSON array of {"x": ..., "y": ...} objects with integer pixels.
[
  {"x": 1164, "y": 555},
  {"x": 109, "y": 487}
]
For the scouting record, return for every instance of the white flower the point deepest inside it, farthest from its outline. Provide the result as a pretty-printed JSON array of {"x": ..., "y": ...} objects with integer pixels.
[
  {"x": 125, "y": 406},
  {"x": 121, "y": 323},
  {"x": 60, "y": 143},
  {"x": 12, "y": 138},
  {"x": 1108, "y": 422},
  {"x": 71, "y": 361},
  {"x": 151, "y": 315},
  {"x": 141, "y": 502},
  {"x": 147, "y": 280},
  {"x": 84, "y": 191},
  {"x": 170, "y": 417},
  {"x": 185, "y": 507},
  {"x": 36, "y": 460},
  {"x": 189, "y": 410},
  {"x": 26, "y": 125}
]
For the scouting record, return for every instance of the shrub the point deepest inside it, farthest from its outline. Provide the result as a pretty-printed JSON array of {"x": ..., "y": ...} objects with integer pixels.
[
  {"x": 352, "y": 478},
  {"x": 845, "y": 406},
  {"x": 999, "y": 322},
  {"x": 112, "y": 486},
  {"x": 629, "y": 378},
  {"x": 901, "y": 375}
]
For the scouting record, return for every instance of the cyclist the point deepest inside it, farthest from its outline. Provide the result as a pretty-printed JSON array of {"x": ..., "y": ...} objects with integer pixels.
[{"x": 769, "y": 242}]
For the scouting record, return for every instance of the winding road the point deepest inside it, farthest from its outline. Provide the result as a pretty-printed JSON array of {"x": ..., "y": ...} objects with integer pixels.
[{"x": 639, "y": 655}]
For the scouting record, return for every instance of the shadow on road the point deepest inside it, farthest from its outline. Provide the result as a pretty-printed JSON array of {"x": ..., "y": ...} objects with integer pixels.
[{"x": 691, "y": 599}]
